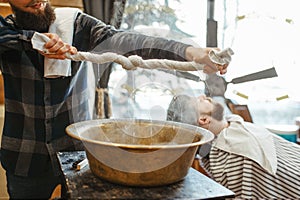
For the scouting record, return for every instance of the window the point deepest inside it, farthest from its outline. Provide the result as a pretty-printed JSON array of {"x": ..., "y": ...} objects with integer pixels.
[
  {"x": 147, "y": 93},
  {"x": 263, "y": 34}
]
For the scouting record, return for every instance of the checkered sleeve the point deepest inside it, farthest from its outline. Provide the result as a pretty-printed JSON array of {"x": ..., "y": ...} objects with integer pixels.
[{"x": 11, "y": 38}]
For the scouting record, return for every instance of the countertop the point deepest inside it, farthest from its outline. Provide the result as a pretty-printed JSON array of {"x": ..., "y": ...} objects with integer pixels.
[{"x": 83, "y": 184}]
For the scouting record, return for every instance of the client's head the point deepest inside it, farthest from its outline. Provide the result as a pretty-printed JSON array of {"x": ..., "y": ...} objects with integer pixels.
[{"x": 199, "y": 111}]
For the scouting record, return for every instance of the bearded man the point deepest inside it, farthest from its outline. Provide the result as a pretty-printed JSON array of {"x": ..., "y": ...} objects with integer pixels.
[{"x": 37, "y": 108}]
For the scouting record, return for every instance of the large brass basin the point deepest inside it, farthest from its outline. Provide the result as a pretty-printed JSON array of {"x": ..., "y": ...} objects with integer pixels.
[{"x": 139, "y": 152}]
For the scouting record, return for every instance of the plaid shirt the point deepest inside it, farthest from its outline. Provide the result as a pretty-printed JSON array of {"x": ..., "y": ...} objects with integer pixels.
[{"x": 37, "y": 110}]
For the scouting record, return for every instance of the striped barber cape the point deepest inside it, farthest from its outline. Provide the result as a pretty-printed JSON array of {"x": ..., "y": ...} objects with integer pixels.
[{"x": 248, "y": 180}]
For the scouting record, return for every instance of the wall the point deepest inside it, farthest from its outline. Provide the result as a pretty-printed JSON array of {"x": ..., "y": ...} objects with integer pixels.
[
  {"x": 3, "y": 192},
  {"x": 67, "y": 3},
  {"x": 5, "y": 8}
]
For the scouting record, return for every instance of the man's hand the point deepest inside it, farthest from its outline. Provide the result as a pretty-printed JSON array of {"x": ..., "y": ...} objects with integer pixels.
[
  {"x": 57, "y": 48},
  {"x": 200, "y": 55}
]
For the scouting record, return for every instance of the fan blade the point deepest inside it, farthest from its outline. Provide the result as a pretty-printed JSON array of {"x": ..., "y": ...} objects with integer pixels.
[
  {"x": 268, "y": 73},
  {"x": 182, "y": 74}
]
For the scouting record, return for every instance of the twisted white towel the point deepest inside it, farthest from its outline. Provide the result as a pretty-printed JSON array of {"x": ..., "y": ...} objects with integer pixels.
[{"x": 132, "y": 62}]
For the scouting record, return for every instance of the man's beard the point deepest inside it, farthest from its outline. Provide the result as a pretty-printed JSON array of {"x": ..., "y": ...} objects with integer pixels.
[{"x": 38, "y": 22}]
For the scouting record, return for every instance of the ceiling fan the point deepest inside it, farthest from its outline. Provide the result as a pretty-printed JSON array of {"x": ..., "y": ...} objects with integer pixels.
[{"x": 219, "y": 89}]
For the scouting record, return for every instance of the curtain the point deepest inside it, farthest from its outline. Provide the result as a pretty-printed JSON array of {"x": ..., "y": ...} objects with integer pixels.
[
  {"x": 110, "y": 12},
  {"x": 101, "y": 9}
]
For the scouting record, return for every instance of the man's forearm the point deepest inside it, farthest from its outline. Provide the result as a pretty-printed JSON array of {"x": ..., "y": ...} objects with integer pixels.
[{"x": 130, "y": 43}]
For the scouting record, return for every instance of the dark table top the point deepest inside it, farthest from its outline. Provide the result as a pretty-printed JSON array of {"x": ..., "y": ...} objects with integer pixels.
[{"x": 83, "y": 184}]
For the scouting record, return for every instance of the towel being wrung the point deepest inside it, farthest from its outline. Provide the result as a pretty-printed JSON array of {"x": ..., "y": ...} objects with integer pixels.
[{"x": 63, "y": 26}]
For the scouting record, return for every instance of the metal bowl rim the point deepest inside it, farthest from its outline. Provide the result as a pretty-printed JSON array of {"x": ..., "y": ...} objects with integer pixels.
[{"x": 90, "y": 123}]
